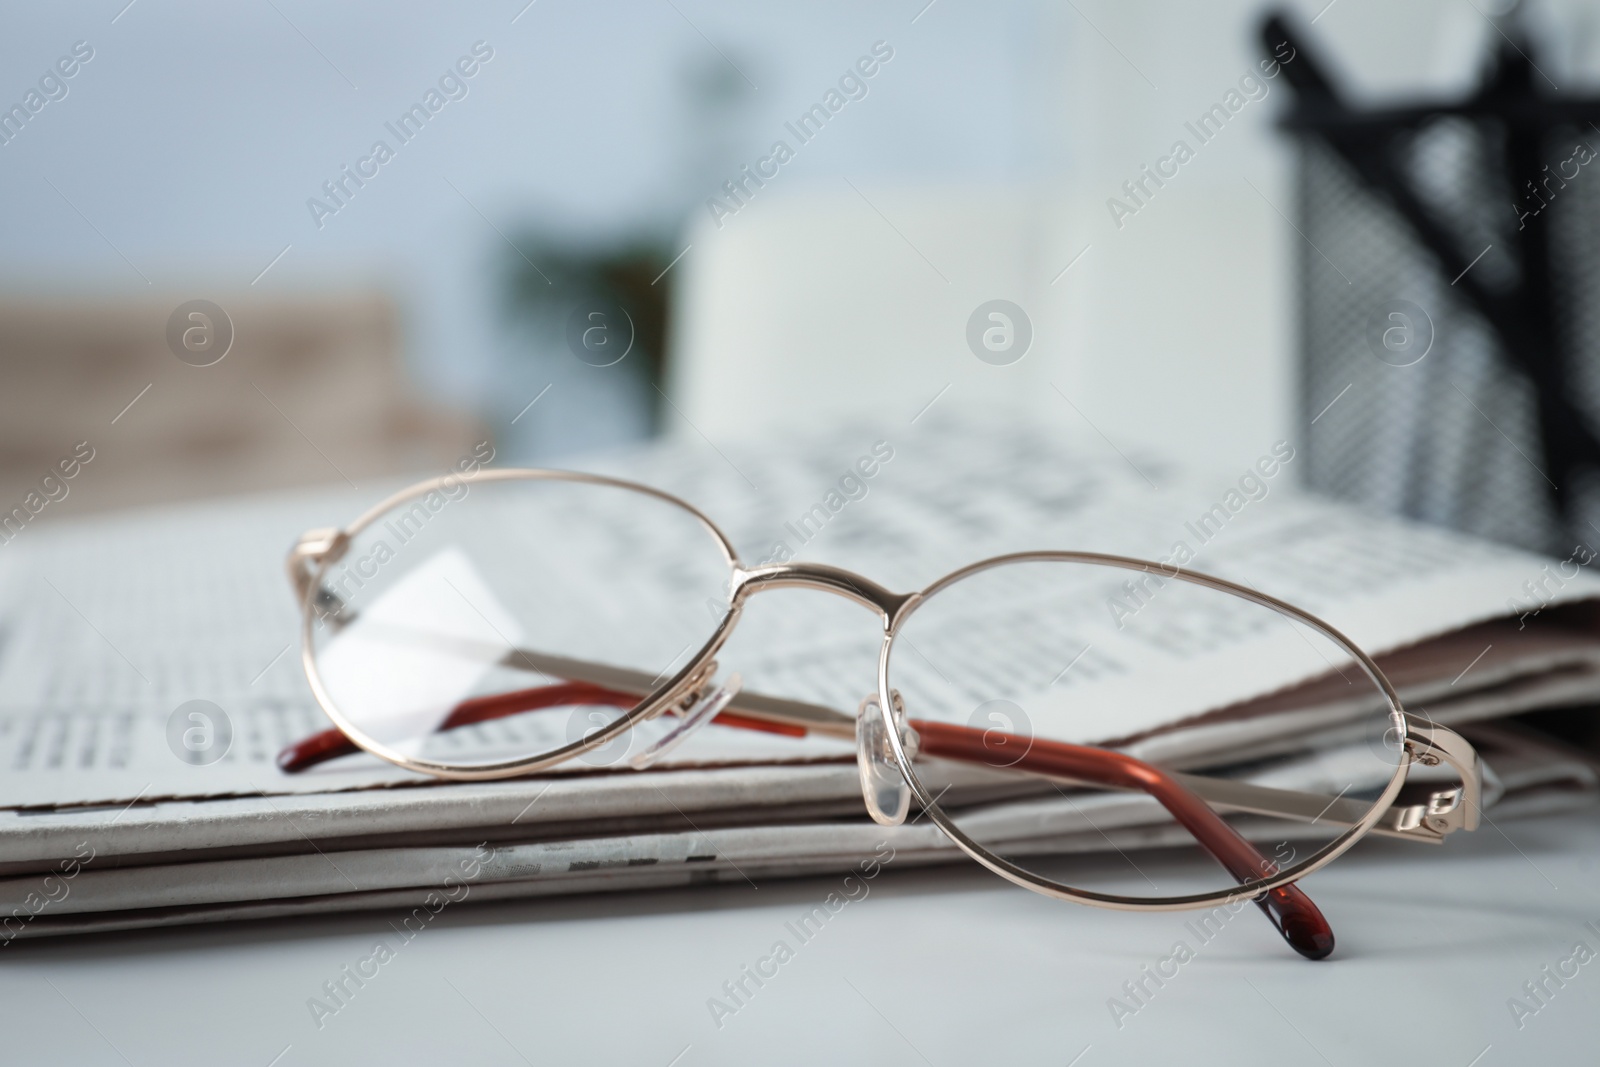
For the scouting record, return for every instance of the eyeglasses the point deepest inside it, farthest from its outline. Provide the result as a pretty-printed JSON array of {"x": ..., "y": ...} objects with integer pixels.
[{"x": 501, "y": 622}]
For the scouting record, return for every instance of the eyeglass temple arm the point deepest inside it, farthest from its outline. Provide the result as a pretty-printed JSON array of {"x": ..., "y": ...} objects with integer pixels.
[
  {"x": 1186, "y": 796},
  {"x": 331, "y": 744},
  {"x": 1442, "y": 813},
  {"x": 1290, "y": 910},
  {"x": 1287, "y": 907}
]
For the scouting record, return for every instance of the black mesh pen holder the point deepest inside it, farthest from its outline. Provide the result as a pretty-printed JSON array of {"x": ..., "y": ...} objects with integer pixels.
[{"x": 1449, "y": 289}]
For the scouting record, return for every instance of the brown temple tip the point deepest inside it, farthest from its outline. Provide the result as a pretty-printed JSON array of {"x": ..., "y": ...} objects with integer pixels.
[
  {"x": 1289, "y": 910},
  {"x": 1301, "y": 922}
]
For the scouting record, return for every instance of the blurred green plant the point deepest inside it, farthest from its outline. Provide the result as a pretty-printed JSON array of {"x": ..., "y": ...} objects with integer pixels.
[
  {"x": 548, "y": 279},
  {"x": 550, "y": 276}
]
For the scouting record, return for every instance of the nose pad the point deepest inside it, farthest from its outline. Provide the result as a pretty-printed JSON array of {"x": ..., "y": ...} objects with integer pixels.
[
  {"x": 704, "y": 710},
  {"x": 883, "y": 787}
]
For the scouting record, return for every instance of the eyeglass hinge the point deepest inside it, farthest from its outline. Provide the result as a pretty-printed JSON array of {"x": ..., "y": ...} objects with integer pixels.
[
  {"x": 1445, "y": 810},
  {"x": 694, "y": 688},
  {"x": 311, "y": 550}
]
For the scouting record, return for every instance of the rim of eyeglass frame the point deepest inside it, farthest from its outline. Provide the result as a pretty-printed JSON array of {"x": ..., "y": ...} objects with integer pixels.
[
  {"x": 317, "y": 550},
  {"x": 1038, "y": 883}
]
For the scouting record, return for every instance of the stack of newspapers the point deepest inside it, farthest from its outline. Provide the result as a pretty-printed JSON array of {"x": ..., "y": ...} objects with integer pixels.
[{"x": 115, "y": 630}]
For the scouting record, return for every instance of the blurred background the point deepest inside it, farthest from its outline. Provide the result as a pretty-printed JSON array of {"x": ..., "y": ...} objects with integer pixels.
[{"x": 580, "y": 232}]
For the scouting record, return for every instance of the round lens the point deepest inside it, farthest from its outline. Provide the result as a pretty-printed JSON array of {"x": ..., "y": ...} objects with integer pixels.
[
  {"x": 1134, "y": 734},
  {"x": 510, "y": 617}
]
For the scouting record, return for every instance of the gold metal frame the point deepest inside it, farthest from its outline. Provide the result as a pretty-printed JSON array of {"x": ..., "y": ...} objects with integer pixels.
[
  {"x": 1444, "y": 812},
  {"x": 317, "y": 550},
  {"x": 894, "y": 620}
]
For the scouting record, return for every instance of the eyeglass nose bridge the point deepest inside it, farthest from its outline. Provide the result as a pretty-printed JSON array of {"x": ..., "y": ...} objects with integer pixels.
[{"x": 827, "y": 579}]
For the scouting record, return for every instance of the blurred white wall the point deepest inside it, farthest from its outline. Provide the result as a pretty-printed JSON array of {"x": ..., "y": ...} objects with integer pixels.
[
  {"x": 1173, "y": 326},
  {"x": 185, "y": 151}
]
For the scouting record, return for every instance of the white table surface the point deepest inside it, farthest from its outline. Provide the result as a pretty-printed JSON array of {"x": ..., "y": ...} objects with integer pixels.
[{"x": 933, "y": 967}]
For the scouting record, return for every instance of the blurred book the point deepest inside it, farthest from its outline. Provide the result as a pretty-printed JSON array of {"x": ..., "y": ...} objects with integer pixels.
[{"x": 193, "y": 401}]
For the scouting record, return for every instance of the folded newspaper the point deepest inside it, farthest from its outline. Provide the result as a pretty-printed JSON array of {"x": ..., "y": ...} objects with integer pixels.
[{"x": 110, "y": 627}]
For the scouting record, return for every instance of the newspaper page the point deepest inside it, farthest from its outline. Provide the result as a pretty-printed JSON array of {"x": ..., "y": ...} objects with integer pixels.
[{"x": 90, "y": 891}]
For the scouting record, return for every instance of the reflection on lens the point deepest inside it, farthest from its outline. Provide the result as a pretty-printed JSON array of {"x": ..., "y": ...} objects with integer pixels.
[
  {"x": 505, "y": 619},
  {"x": 1135, "y": 734}
]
